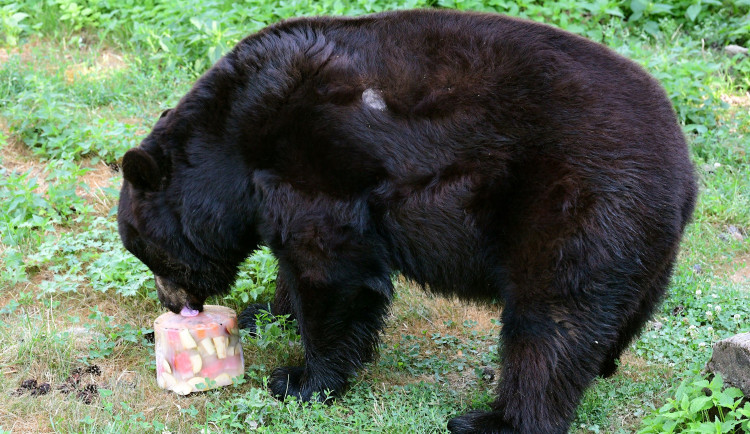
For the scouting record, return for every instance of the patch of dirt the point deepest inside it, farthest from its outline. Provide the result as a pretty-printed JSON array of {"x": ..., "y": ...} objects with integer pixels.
[
  {"x": 99, "y": 63},
  {"x": 27, "y": 425},
  {"x": 105, "y": 62},
  {"x": 737, "y": 100},
  {"x": 24, "y": 51},
  {"x": 421, "y": 314},
  {"x": 439, "y": 314},
  {"x": 97, "y": 178},
  {"x": 631, "y": 364},
  {"x": 740, "y": 271},
  {"x": 16, "y": 157},
  {"x": 467, "y": 380}
]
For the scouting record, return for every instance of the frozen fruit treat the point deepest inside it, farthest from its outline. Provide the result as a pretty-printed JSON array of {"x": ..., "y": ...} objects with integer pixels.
[{"x": 197, "y": 350}]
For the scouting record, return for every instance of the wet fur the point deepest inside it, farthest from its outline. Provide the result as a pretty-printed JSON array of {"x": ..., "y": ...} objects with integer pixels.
[{"x": 512, "y": 162}]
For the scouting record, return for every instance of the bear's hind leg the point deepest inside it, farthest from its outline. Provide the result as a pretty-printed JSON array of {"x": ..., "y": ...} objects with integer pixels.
[
  {"x": 551, "y": 353},
  {"x": 627, "y": 333},
  {"x": 651, "y": 298}
]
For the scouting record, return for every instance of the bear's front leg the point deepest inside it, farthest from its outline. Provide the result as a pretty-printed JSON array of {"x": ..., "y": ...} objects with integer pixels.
[{"x": 340, "y": 323}]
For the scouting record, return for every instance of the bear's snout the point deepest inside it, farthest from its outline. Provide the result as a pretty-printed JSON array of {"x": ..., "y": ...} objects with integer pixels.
[{"x": 174, "y": 297}]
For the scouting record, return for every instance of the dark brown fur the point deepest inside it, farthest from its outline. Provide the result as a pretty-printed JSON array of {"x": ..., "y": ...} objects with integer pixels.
[{"x": 481, "y": 156}]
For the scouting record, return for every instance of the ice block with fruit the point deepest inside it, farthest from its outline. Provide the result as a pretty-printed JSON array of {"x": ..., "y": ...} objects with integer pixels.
[{"x": 197, "y": 351}]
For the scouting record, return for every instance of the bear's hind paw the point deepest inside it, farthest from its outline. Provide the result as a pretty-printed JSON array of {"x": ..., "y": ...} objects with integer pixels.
[
  {"x": 248, "y": 316},
  {"x": 479, "y": 422}
]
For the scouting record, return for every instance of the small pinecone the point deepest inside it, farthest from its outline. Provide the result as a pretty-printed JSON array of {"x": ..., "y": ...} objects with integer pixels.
[
  {"x": 488, "y": 374},
  {"x": 75, "y": 377},
  {"x": 94, "y": 370},
  {"x": 66, "y": 388},
  {"x": 149, "y": 337},
  {"x": 71, "y": 383},
  {"x": 88, "y": 393},
  {"x": 43, "y": 389},
  {"x": 28, "y": 384}
]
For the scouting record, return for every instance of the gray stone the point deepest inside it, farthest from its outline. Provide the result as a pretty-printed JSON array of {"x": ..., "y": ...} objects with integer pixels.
[
  {"x": 734, "y": 50},
  {"x": 731, "y": 358}
]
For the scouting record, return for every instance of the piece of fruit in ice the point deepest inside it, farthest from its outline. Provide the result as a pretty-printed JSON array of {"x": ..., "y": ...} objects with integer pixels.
[
  {"x": 165, "y": 366},
  {"x": 195, "y": 382},
  {"x": 207, "y": 330},
  {"x": 166, "y": 381},
  {"x": 220, "y": 342},
  {"x": 187, "y": 340},
  {"x": 187, "y": 363},
  {"x": 208, "y": 346},
  {"x": 223, "y": 379},
  {"x": 182, "y": 388}
]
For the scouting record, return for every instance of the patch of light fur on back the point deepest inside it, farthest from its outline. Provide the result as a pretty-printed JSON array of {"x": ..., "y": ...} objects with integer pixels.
[{"x": 372, "y": 98}]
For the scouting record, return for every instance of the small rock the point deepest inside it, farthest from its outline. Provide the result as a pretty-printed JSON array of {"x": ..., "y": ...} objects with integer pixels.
[
  {"x": 735, "y": 233},
  {"x": 734, "y": 50},
  {"x": 731, "y": 358},
  {"x": 709, "y": 168}
]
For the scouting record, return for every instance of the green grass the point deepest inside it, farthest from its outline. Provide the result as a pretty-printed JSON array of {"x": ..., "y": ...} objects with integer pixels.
[{"x": 83, "y": 81}]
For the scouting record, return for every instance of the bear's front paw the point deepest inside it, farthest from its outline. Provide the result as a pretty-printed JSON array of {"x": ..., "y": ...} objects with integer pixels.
[
  {"x": 292, "y": 381},
  {"x": 479, "y": 422}
]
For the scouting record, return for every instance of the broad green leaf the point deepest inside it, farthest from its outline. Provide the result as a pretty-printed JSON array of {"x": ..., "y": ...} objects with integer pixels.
[
  {"x": 701, "y": 403},
  {"x": 693, "y": 11},
  {"x": 637, "y": 6}
]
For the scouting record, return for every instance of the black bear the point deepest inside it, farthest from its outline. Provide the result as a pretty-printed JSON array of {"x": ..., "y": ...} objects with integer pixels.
[{"x": 481, "y": 156}]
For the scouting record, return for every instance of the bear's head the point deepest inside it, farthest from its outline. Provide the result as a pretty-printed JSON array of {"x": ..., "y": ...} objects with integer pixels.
[
  {"x": 188, "y": 205},
  {"x": 186, "y": 209}
]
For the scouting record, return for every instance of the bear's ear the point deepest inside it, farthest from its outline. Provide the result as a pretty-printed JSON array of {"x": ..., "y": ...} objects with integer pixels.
[{"x": 140, "y": 169}]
